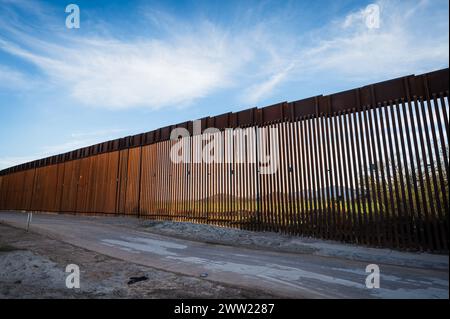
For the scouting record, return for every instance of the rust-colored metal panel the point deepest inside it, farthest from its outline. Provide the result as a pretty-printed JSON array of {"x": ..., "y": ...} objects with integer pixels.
[
  {"x": 11, "y": 191},
  {"x": 44, "y": 189},
  {"x": 36, "y": 199},
  {"x": 28, "y": 188},
  {"x": 2, "y": 189},
  {"x": 4, "y": 194},
  {"x": 8, "y": 191},
  {"x": 59, "y": 186},
  {"x": 111, "y": 183},
  {"x": 272, "y": 113},
  {"x": 148, "y": 187},
  {"x": 20, "y": 186},
  {"x": 84, "y": 179},
  {"x": 70, "y": 185},
  {"x": 101, "y": 189},
  {"x": 99, "y": 173},
  {"x": 133, "y": 181},
  {"x": 122, "y": 181},
  {"x": 16, "y": 188},
  {"x": 7, "y": 187},
  {"x": 93, "y": 186}
]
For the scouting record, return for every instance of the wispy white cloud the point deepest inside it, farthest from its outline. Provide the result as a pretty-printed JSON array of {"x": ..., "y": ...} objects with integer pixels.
[
  {"x": 347, "y": 49},
  {"x": 153, "y": 73},
  {"x": 13, "y": 79},
  {"x": 262, "y": 90},
  {"x": 196, "y": 60}
]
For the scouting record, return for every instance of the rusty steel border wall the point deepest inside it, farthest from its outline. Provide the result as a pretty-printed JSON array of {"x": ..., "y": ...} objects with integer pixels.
[{"x": 367, "y": 165}]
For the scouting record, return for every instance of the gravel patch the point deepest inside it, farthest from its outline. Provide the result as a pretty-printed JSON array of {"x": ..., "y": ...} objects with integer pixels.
[
  {"x": 292, "y": 244},
  {"x": 228, "y": 236}
]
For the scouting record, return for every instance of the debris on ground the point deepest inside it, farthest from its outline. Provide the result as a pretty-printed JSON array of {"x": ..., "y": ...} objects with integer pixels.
[{"x": 134, "y": 280}]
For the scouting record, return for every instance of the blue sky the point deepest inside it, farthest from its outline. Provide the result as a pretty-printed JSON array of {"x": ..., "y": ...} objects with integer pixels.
[{"x": 134, "y": 66}]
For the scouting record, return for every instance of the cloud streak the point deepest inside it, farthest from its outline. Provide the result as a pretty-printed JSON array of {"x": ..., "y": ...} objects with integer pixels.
[
  {"x": 150, "y": 73},
  {"x": 12, "y": 79},
  {"x": 199, "y": 59},
  {"x": 347, "y": 49}
]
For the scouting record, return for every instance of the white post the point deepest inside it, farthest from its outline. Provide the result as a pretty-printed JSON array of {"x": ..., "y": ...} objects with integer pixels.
[{"x": 29, "y": 218}]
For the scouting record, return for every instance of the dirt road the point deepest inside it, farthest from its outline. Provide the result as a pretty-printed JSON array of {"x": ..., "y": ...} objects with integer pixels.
[
  {"x": 33, "y": 266},
  {"x": 276, "y": 273}
]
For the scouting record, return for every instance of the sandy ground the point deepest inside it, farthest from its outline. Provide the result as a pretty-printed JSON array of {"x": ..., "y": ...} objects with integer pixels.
[
  {"x": 317, "y": 269},
  {"x": 33, "y": 266}
]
